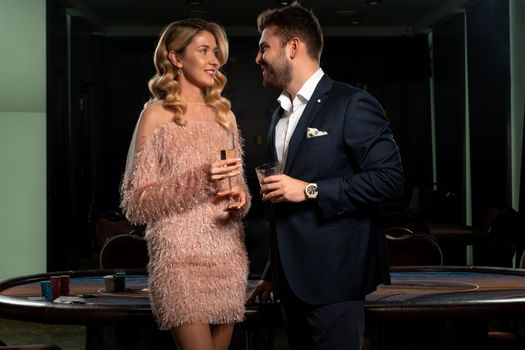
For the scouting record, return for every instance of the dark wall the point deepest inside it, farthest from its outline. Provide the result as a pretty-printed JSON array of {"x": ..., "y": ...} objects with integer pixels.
[
  {"x": 128, "y": 65},
  {"x": 489, "y": 95},
  {"x": 73, "y": 100},
  {"x": 522, "y": 178},
  {"x": 449, "y": 92},
  {"x": 396, "y": 71},
  {"x": 86, "y": 104},
  {"x": 58, "y": 215},
  {"x": 73, "y": 83},
  {"x": 487, "y": 50}
]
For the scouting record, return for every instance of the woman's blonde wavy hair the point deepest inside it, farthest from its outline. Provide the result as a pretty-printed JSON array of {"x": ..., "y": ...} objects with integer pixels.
[{"x": 164, "y": 85}]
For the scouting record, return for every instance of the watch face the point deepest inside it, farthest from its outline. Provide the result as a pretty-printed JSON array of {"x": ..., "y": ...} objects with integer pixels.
[{"x": 311, "y": 190}]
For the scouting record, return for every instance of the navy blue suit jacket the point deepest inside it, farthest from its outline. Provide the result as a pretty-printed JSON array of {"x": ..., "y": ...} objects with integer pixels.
[{"x": 333, "y": 249}]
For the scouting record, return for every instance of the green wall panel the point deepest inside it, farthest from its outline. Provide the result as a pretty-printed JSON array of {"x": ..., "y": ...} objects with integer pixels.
[
  {"x": 22, "y": 204},
  {"x": 22, "y": 137},
  {"x": 22, "y": 62}
]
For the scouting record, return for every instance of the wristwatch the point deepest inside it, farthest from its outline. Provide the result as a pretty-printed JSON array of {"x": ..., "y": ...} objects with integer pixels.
[{"x": 310, "y": 191}]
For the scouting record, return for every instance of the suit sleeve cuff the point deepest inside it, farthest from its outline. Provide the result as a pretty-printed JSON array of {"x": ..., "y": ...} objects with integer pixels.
[{"x": 331, "y": 198}]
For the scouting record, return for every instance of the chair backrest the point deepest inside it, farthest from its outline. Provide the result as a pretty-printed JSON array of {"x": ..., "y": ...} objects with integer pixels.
[
  {"x": 522, "y": 261},
  {"x": 504, "y": 237},
  {"x": 398, "y": 231},
  {"x": 417, "y": 249},
  {"x": 440, "y": 205},
  {"x": 124, "y": 251},
  {"x": 398, "y": 215},
  {"x": 111, "y": 224},
  {"x": 394, "y": 213}
]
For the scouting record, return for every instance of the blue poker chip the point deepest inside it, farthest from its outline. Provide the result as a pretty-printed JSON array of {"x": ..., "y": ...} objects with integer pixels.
[{"x": 46, "y": 290}]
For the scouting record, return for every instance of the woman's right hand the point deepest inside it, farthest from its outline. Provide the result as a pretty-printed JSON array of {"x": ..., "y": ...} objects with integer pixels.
[{"x": 224, "y": 169}]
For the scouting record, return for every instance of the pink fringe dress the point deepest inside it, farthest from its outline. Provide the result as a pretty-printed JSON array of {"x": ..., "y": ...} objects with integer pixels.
[{"x": 198, "y": 265}]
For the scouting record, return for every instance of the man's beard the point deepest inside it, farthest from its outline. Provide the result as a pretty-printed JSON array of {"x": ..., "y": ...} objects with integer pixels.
[{"x": 278, "y": 74}]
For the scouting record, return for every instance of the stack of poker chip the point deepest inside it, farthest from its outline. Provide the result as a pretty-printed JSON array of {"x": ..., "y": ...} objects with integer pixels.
[
  {"x": 55, "y": 287},
  {"x": 46, "y": 290},
  {"x": 120, "y": 281},
  {"x": 109, "y": 283},
  {"x": 116, "y": 282},
  {"x": 64, "y": 284}
]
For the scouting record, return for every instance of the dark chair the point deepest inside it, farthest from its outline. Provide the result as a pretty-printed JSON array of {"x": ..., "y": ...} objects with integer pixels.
[
  {"x": 125, "y": 251},
  {"x": 416, "y": 249},
  {"x": 4, "y": 346},
  {"x": 398, "y": 215},
  {"x": 522, "y": 261},
  {"x": 506, "y": 334},
  {"x": 394, "y": 213},
  {"x": 398, "y": 231},
  {"x": 440, "y": 205},
  {"x": 111, "y": 224},
  {"x": 505, "y": 341},
  {"x": 503, "y": 238}
]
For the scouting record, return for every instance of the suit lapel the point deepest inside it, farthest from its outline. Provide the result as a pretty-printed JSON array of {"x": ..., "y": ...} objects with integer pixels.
[
  {"x": 271, "y": 134},
  {"x": 311, "y": 110}
]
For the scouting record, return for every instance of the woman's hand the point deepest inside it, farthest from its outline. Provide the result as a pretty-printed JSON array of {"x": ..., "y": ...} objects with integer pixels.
[
  {"x": 224, "y": 169},
  {"x": 237, "y": 197}
]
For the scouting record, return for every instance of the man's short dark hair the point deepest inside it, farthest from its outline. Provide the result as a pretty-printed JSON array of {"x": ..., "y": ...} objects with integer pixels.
[{"x": 294, "y": 21}]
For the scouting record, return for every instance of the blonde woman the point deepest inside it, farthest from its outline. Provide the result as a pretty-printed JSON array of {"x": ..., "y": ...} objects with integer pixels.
[{"x": 190, "y": 199}]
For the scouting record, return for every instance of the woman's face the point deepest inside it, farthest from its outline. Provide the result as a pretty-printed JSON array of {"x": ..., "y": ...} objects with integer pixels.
[{"x": 199, "y": 61}]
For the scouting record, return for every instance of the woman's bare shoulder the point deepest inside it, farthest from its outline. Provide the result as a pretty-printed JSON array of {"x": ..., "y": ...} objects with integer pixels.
[
  {"x": 231, "y": 118},
  {"x": 153, "y": 116}
]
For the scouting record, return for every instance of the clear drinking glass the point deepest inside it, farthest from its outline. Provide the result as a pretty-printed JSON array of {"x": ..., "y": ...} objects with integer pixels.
[
  {"x": 227, "y": 154},
  {"x": 268, "y": 169}
]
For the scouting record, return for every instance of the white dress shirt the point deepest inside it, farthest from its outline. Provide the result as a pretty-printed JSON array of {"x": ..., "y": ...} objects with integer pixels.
[{"x": 292, "y": 113}]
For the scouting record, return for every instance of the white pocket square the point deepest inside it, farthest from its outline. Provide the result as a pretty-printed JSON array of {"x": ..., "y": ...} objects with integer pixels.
[{"x": 313, "y": 132}]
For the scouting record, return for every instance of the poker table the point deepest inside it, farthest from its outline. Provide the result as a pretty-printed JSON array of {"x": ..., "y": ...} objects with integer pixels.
[
  {"x": 21, "y": 299},
  {"x": 113, "y": 320},
  {"x": 443, "y": 307},
  {"x": 421, "y": 304}
]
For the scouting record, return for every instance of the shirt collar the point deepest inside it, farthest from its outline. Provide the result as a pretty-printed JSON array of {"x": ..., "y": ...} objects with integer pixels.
[{"x": 305, "y": 92}]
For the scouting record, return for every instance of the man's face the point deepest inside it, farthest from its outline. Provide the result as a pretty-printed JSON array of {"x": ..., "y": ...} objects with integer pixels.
[{"x": 277, "y": 70}]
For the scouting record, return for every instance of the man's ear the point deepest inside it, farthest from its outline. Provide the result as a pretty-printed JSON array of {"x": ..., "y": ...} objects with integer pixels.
[
  {"x": 294, "y": 44},
  {"x": 174, "y": 59}
]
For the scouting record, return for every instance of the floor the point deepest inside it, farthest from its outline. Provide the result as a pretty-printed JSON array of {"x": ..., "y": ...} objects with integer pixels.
[
  {"x": 73, "y": 337},
  {"x": 22, "y": 333}
]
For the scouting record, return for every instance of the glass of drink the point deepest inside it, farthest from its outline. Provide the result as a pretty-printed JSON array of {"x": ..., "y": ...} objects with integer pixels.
[
  {"x": 227, "y": 154},
  {"x": 268, "y": 169}
]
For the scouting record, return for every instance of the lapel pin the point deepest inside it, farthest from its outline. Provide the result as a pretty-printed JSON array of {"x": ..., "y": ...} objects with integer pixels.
[{"x": 318, "y": 100}]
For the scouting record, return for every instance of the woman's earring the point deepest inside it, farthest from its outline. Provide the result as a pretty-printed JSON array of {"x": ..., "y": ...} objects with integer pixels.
[{"x": 179, "y": 71}]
